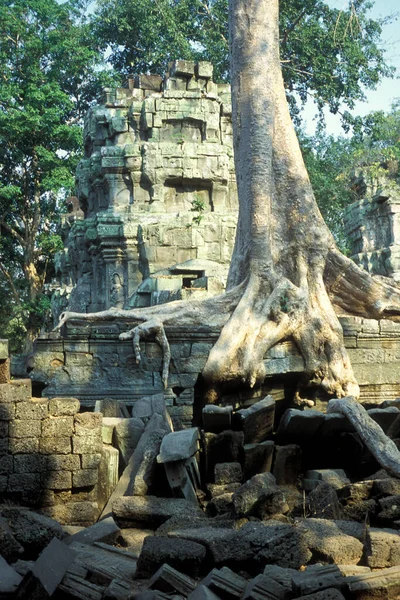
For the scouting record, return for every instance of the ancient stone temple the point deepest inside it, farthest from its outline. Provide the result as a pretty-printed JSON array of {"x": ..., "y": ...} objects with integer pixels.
[
  {"x": 156, "y": 189},
  {"x": 372, "y": 223}
]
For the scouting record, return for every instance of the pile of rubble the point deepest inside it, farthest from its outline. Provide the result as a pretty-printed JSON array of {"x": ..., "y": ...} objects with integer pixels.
[{"x": 239, "y": 508}]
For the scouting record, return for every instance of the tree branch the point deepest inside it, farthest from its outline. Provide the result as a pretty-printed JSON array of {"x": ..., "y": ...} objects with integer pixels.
[
  {"x": 289, "y": 30},
  {"x": 12, "y": 231},
  {"x": 9, "y": 278}
]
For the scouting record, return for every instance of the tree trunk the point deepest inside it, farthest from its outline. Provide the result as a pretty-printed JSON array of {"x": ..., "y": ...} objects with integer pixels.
[{"x": 287, "y": 279}]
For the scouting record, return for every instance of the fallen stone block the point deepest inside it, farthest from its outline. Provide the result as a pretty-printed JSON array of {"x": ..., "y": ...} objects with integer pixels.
[
  {"x": 287, "y": 464},
  {"x": 32, "y": 530},
  {"x": 217, "y": 418},
  {"x": 108, "y": 475},
  {"x": 177, "y": 523},
  {"x": 329, "y": 541},
  {"x": 74, "y": 585},
  {"x": 106, "y": 561},
  {"x": 383, "y": 584},
  {"x": 327, "y": 594},
  {"x": 262, "y": 587},
  {"x": 229, "y": 472},
  {"x": 257, "y": 421},
  {"x": 225, "y": 583},
  {"x": 222, "y": 447},
  {"x": 179, "y": 445},
  {"x": 152, "y": 511},
  {"x": 103, "y": 531},
  {"x": 386, "y": 487},
  {"x": 257, "y": 458},
  {"x": 215, "y": 489},
  {"x": 132, "y": 539},
  {"x": 383, "y": 548},
  {"x": 203, "y": 593},
  {"x": 179, "y": 481},
  {"x": 169, "y": 580},
  {"x": 183, "y": 555},
  {"x": 47, "y": 572},
  {"x": 126, "y": 436},
  {"x": 337, "y": 478},
  {"x": 9, "y": 579},
  {"x": 281, "y": 576},
  {"x": 221, "y": 505},
  {"x": 298, "y": 424},
  {"x": 259, "y": 496},
  {"x": 319, "y": 577},
  {"x": 10, "y": 548},
  {"x": 323, "y": 503},
  {"x": 389, "y": 509},
  {"x": 118, "y": 589}
]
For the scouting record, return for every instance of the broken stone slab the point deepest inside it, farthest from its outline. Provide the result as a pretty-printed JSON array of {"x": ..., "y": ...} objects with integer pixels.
[
  {"x": 261, "y": 587},
  {"x": 118, "y": 589},
  {"x": 337, "y": 478},
  {"x": 383, "y": 548},
  {"x": 260, "y": 494},
  {"x": 320, "y": 577},
  {"x": 10, "y": 548},
  {"x": 203, "y": 593},
  {"x": 257, "y": 458},
  {"x": 108, "y": 475},
  {"x": 179, "y": 481},
  {"x": 47, "y": 572},
  {"x": 381, "y": 447},
  {"x": 32, "y": 530},
  {"x": 281, "y": 576},
  {"x": 225, "y": 583},
  {"x": 383, "y": 584},
  {"x": 287, "y": 464},
  {"x": 177, "y": 523},
  {"x": 108, "y": 426},
  {"x": 330, "y": 540},
  {"x": 9, "y": 579},
  {"x": 297, "y": 423},
  {"x": 105, "y": 560},
  {"x": 327, "y": 594},
  {"x": 179, "y": 445},
  {"x": 183, "y": 555},
  {"x": 103, "y": 531},
  {"x": 217, "y": 418},
  {"x": 74, "y": 585},
  {"x": 228, "y": 472},
  {"x": 257, "y": 421},
  {"x": 126, "y": 436},
  {"x": 169, "y": 580},
  {"x": 152, "y": 511}
]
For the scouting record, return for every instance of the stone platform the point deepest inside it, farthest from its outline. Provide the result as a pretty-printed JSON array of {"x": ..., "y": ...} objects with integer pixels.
[{"x": 90, "y": 363}]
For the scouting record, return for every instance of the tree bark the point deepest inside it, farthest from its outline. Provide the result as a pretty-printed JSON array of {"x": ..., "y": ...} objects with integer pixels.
[{"x": 287, "y": 279}]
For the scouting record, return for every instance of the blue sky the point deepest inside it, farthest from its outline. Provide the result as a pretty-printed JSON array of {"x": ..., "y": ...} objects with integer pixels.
[{"x": 389, "y": 89}]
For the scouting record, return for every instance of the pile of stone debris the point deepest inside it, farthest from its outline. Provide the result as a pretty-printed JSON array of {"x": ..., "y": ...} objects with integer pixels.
[{"x": 225, "y": 511}]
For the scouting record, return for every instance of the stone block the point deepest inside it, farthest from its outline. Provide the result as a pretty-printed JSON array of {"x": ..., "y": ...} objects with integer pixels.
[
  {"x": 217, "y": 490},
  {"x": 55, "y": 445},
  {"x": 11, "y": 549},
  {"x": 23, "y": 445},
  {"x": 108, "y": 471},
  {"x": 9, "y": 579},
  {"x": 4, "y": 370},
  {"x": 184, "y": 68},
  {"x": 58, "y": 462},
  {"x": 337, "y": 478},
  {"x": 330, "y": 540},
  {"x": 225, "y": 583},
  {"x": 229, "y": 472},
  {"x": 60, "y": 407},
  {"x": 300, "y": 424},
  {"x": 383, "y": 548},
  {"x": 327, "y": 594},
  {"x": 24, "y": 482},
  {"x": 217, "y": 418},
  {"x": 17, "y": 390},
  {"x": 382, "y": 584},
  {"x": 74, "y": 513},
  {"x": 6, "y": 464},
  {"x": 58, "y": 427},
  {"x": 89, "y": 444},
  {"x": 323, "y": 502},
  {"x": 84, "y": 478},
  {"x": 105, "y": 531},
  {"x": 90, "y": 461},
  {"x": 4, "y": 350},
  {"x": 257, "y": 458},
  {"x": 259, "y": 496},
  {"x": 3, "y": 429},
  {"x": 152, "y": 511},
  {"x": 287, "y": 464},
  {"x": 257, "y": 421},
  {"x": 7, "y": 411},
  {"x": 33, "y": 409},
  {"x": 204, "y": 69},
  {"x": 263, "y": 587},
  {"x": 57, "y": 480},
  {"x": 24, "y": 429},
  {"x": 127, "y": 433},
  {"x": 179, "y": 445},
  {"x": 29, "y": 463},
  {"x": 87, "y": 422},
  {"x": 107, "y": 429},
  {"x": 222, "y": 447},
  {"x": 182, "y": 555}
]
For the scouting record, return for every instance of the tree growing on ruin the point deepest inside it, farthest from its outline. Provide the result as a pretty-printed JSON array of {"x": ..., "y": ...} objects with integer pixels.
[{"x": 287, "y": 278}]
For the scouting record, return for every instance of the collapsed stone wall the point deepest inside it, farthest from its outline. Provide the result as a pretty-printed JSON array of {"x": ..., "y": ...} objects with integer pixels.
[
  {"x": 156, "y": 188},
  {"x": 49, "y": 453}
]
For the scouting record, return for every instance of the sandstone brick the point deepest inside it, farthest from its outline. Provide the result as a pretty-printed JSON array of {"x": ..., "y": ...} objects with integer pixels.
[
  {"x": 32, "y": 409},
  {"x": 5, "y": 371},
  {"x": 24, "y": 445},
  {"x": 16, "y": 391},
  {"x": 24, "y": 482},
  {"x": 63, "y": 406},
  {"x": 84, "y": 478},
  {"x": 55, "y": 445},
  {"x": 57, "y": 480},
  {"x": 25, "y": 428},
  {"x": 7, "y": 411},
  {"x": 58, "y": 427},
  {"x": 89, "y": 444},
  {"x": 74, "y": 513},
  {"x": 58, "y": 462},
  {"x": 87, "y": 421},
  {"x": 29, "y": 463},
  {"x": 6, "y": 464},
  {"x": 90, "y": 461}
]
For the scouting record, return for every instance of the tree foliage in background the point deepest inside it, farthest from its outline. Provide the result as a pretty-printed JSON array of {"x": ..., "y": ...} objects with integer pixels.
[
  {"x": 326, "y": 54},
  {"x": 48, "y": 76}
]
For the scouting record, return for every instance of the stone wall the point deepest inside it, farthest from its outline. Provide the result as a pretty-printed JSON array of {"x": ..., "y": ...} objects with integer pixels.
[
  {"x": 49, "y": 453},
  {"x": 156, "y": 188}
]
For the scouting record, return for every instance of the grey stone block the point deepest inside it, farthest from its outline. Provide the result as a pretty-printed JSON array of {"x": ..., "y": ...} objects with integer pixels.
[
  {"x": 259, "y": 496},
  {"x": 179, "y": 445},
  {"x": 59, "y": 407},
  {"x": 257, "y": 458},
  {"x": 87, "y": 422},
  {"x": 217, "y": 418},
  {"x": 287, "y": 464},
  {"x": 330, "y": 540},
  {"x": 225, "y": 583},
  {"x": 55, "y": 445},
  {"x": 183, "y": 555},
  {"x": 257, "y": 421},
  {"x": 33, "y": 409},
  {"x": 84, "y": 478},
  {"x": 169, "y": 580},
  {"x": 104, "y": 531},
  {"x": 9, "y": 579},
  {"x": 32, "y": 530},
  {"x": 25, "y": 428},
  {"x": 229, "y": 472},
  {"x": 383, "y": 548},
  {"x": 58, "y": 427},
  {"x": 152, "y": 511}
]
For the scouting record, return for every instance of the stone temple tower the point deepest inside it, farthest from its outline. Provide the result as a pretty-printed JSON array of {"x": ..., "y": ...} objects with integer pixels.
[{"x": 156, "y": 207}]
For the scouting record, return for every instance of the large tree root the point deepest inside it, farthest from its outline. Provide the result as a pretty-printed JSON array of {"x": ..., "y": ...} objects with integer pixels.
[{"x": 380, "y": 445}]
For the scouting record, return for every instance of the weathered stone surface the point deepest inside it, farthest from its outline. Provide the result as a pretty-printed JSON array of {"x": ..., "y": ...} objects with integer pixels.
[
  {"x": 179, "y": 445},
  {"x": 182, "y": 555},
  {"x": 10, "y": 548},
  {"x": 329, "y": 541},
  {"x": 84, "y": 478},
  {"x": 287, "y": 464},
  {"x": 58, "y": 427},
  {"x": 127, "y": 433},
  {"x": 202, "y": 592},
  {"x": 320, "y": 577},
  {"x": 33, "y": 409},
  {"x": 107, "y": 474},
  {"x": 327, "y": 594},
  {"x": 259, "y": 496},
  {"x": 33, "y": 531},
  {"x": 383, "y": 584},
  {"x": 16, "y": 390},
  {"x": 25, "y": 428},
  {"x": 229, "y": 472},
  {"x": 55, "y": 445},
  {"x": 383, "y": 548},
  {"x": 132, "y": 539},
  {"x": 257, "y": 421},
  {"x": 91, "y": 443},
  {"x": 87, "y": 422},
  {"x": 169, "y": 580},
  {"x": 262, "y": 587},
  {"x": 105, "y": 531},
  {"x": 389, "y": 509},
  {"x": 337, "y": 478},
  {"x": 149, "y": 510},
  {"x": 257, "y": 458},
  {"x": 73, "y": 513},
  {"x": 323, "y": 503},
  {"x": 225, "y": 583},
  {"x": 59, "y": 407},
  {"x": 223, "y": 447}
]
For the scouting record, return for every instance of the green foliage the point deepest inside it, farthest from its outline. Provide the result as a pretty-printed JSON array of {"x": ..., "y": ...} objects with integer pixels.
[
  {"x": 198, "y": 206},
  {"x": 48, "y": 74},
  {"x": 327, "y": 54}
]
